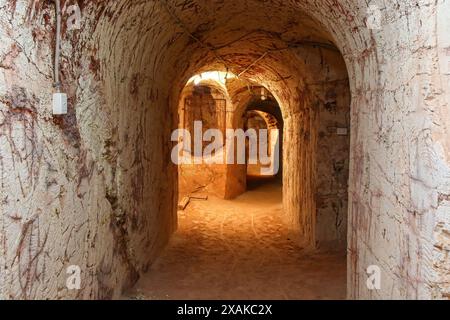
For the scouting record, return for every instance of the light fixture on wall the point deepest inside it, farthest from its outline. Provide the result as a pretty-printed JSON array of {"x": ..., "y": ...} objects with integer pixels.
[
  {"x": 197, "y": 80},
  {"x": 219, "y": 77},
  {"x": 263, "y": 94}
]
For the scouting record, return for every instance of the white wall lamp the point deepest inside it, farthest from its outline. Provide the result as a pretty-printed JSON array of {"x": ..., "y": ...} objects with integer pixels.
[{"x": 263, "y": 94}]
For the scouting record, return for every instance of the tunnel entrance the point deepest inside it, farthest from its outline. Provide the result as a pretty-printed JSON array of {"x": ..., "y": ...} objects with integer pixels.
[
  {"x": 298, "y": 84},
  {"x": 265, "y": 113},
  {"x": 233, "y": 144},
  {"x": 231, "y": 215}
]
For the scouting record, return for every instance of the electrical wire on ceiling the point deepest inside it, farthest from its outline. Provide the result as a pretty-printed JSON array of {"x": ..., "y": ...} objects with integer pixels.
[
  {"x": 253, "y": 63},
  {"x": 213, "y": 50},
  {"x": 186, "y": 30},
  {"x": 209, "y": 47},
  {"x": 57, "y": 83}
]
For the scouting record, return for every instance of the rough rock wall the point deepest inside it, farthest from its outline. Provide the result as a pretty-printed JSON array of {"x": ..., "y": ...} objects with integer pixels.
[
  {"x": 399, "y": 159},
  {"x": 211, "y": 104},
  {"x": 439, "y": 142},
  {"x": 332, "y": 165},
  {"x": 67, "y": 184},
  {"x": 331, "y": 89},
  {"x": 85, "y": 189}
]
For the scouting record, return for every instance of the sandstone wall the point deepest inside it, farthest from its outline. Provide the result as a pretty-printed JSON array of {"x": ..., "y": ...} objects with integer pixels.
[{"x": 95, "y": 188}]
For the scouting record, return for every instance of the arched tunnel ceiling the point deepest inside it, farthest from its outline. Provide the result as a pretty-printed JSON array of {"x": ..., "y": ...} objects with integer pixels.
[
  {"x": 250, "y": 38},
  {"x": 267, "y": 42}
]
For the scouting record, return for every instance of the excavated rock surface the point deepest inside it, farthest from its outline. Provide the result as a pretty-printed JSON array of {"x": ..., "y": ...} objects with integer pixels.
[{"x": 96, "y": 188}]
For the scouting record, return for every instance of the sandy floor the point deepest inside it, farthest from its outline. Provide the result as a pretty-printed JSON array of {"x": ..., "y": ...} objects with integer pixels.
[{"x": 240, "y": 250}]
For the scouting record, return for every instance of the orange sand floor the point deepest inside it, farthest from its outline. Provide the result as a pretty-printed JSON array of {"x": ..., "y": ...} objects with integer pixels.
[{"x": 240, "y": 249}]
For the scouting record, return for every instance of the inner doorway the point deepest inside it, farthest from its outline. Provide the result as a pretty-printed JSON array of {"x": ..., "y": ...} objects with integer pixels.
[{"x": 233, "y": 241}]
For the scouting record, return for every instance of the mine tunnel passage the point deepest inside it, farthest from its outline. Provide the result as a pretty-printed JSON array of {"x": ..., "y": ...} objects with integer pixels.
[
  {"x": 232, "y": 233},
  {"x": 291, "y": 61},
  {"x": 131, "y": 71},
  {"x": 96, "y": 187}
]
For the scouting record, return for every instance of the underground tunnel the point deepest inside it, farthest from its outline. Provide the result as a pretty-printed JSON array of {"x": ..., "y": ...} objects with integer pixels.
[{"x": 362, "y": 114}]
